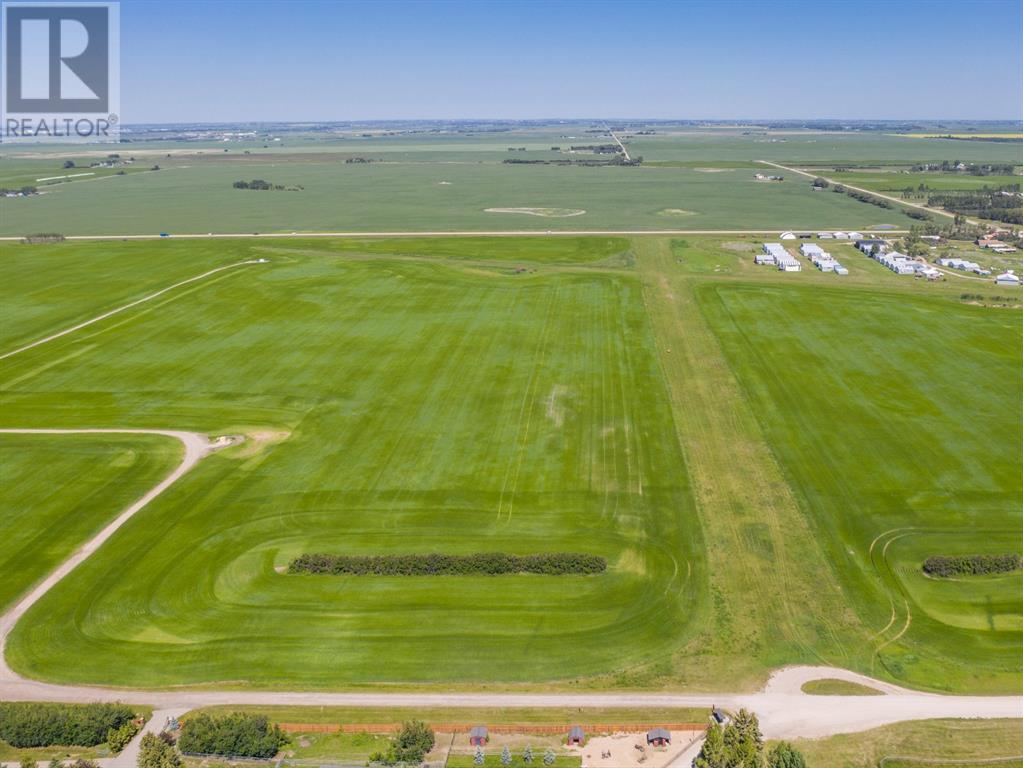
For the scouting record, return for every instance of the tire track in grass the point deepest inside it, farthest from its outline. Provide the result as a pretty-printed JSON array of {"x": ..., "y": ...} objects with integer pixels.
[
  {"x": 125, "y": 307},
  {"x": 525, "y": 411}
]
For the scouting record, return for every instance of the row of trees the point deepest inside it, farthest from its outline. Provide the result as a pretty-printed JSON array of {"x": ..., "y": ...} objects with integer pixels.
[
  {"x": 741, "y": 745},
  {"x": 30, "y": 724},
  {"x": 863, "y": 197},
  {"x": 549, "y": 757},
  {"x": 947, "y": 566},
  {"x": 481, "y": 563}
]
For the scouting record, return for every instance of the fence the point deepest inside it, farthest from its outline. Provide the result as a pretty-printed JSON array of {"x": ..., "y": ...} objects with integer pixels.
[{"x": 531, "y": 728}]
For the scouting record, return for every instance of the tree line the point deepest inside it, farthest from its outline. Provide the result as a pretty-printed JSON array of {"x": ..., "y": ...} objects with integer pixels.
[
  {"x": 31, "y": 724},
  {"x": 947, "y": 566},
  {"x": 262, "y": 184},
  {"x": 234, "y": 734},
  {"x": 480, "y": 563}
]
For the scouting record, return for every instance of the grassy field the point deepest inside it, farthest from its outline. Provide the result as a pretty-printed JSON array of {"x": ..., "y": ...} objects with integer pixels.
[
  {"x": 732, "y": 439},
  {"x": 62, "y": 285},
  {"x": 838, "y": 688},
  {"x": 949, "y": 743},
  {"x": 884, "y": 180},
  {"x": 429, "y": 196},
  {"x": 56, "y": 491},
  {"x": 393, "y": 445},
  {"x": 881, "y": 369}
]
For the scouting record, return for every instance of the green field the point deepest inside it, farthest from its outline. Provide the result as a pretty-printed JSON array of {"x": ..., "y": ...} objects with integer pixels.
[
  {"x": 732, "y": 439},
  {"x": 887, "y": 440},
  {"x": 429, "y": 406},
  {"x": 56, "y": 491},
  {"x": 924, "y": 744},
  {"x": 188, "y": 197}
]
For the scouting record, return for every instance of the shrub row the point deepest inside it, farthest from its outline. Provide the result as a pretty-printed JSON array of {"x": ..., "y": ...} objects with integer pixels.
[
  {"x": 484, "y": 563},
  {"x": 945, "y": 566},
  {"x": 235, "y": 734},
  {"x": 28, "y": 724}
]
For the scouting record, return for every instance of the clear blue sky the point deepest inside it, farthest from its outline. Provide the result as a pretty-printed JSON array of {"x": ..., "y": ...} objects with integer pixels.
[{"x": 221, "y": 60}]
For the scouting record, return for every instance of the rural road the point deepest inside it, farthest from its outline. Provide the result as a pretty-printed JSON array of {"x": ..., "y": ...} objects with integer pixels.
[
  {"x": 466, "y": 233},
  {"x": 784, "y": 710},
  {"x": 898, "y": 200}
]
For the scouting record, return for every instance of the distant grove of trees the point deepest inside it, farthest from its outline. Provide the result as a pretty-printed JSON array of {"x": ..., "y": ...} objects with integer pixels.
[
  {"x": 947, "y": 566},
  {"x": 261, "y": 184},
  {"x": 973, "y": 169},
  {"x": 1002, "y": 203}
]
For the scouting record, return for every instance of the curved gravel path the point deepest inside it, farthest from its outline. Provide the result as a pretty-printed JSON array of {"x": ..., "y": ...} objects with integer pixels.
[{"x": 784, "y": 710}]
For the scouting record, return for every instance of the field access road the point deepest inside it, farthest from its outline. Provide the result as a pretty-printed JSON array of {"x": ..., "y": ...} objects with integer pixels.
[
  {"x": 784, "y": 710},
  {"x": 196, "y": 447},
  {"x": 470, "y": 233}
]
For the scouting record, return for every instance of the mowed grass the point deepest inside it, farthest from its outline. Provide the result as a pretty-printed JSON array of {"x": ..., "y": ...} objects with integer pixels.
[
  {"x": 955, "y": 743},
  {"x": 895, "y": 419},
  {"x": 424, "y": 406},
  {"x": 59, "y": 285},
  {"x": 58, "y": 490}
]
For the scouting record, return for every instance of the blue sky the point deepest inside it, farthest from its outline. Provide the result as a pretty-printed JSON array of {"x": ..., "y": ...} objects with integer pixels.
[{"x": 220, "y": 60}]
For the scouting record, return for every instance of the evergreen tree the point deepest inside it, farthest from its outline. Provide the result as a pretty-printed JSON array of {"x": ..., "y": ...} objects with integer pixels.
[
  {"x": 478, "y": 758},
  {"x": 712, "y": 754},
  {"x": 506, "y": 756},
  {"x": 527, "y": 755},
  {"x": 744, "y": 744},
  {"x": 549, "y": 757},
  {"x": 784, "y": 755}
]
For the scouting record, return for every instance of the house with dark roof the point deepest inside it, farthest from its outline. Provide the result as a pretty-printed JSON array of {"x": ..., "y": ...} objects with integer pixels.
[{"x": 658, "y": 737}]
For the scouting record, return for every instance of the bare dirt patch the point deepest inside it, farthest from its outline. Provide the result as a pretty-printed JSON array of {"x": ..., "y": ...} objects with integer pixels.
[
  {"x": 675, "y": 212},
  {"x": 739, "y": 247},
  {"x": 713, "y": 170},
  {"x": 625, "y": 749},
  {"x": 257, "y": 440},
  {"x": 549, "y": 213}
]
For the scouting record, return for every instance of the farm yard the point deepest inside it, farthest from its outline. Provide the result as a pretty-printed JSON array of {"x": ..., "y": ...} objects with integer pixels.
[{"x": 763, "y": 465}]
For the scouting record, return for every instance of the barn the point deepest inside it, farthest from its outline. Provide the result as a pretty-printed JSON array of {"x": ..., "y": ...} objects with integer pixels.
[
  {"x": 479, "y": 736},
  {"x": 658, "y": 737},
  {"x": 576, "y": 736}
]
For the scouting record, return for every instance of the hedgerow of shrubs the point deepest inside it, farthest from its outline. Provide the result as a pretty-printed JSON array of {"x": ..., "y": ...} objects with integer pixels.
[
  {"x": 28, "y": 724},
  {"x": 481, "y": 563},
  {"x": 237, "y": 734},
  {"x": 945, "y": 566}
]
